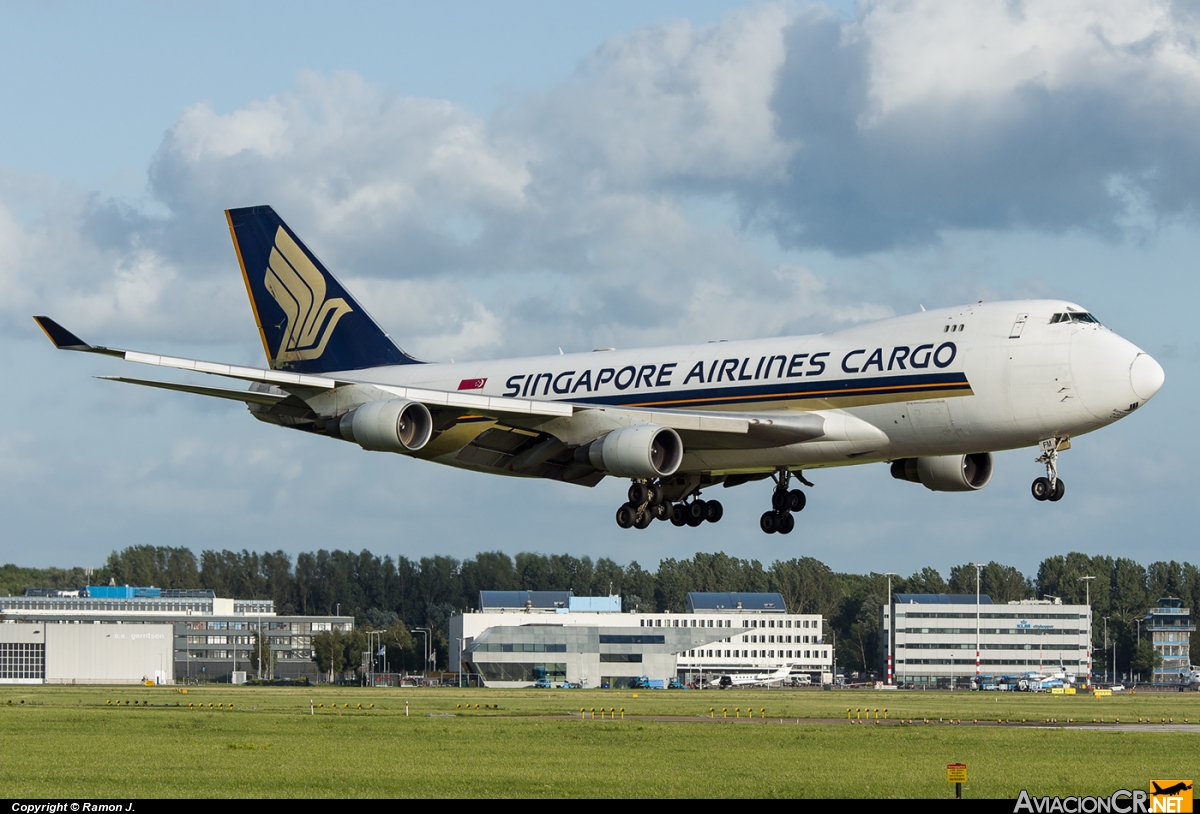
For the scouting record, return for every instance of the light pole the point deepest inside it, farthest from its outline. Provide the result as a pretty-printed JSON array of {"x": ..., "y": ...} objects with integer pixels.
[
  {"x": 891, "y": 626},
  {"x": 1137, "y": 651},
  {"x": 424, "y": 631},
  {"x": 978, "y": 577},
  {"x": 1087, "y": 581},
  {"x": 1106, "y": 649}
]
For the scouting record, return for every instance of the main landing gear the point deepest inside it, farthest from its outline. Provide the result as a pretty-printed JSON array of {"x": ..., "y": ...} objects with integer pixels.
[
  {"x": 647, "y": 503},
  {"x": 1050, "y": 487},
  {"x": 784, "y": 503}
]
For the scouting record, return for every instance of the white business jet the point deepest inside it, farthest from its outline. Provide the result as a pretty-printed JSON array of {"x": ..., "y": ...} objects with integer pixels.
[
  {"x": 933, "y": 394},
  {"x": 757, "y": 680}
]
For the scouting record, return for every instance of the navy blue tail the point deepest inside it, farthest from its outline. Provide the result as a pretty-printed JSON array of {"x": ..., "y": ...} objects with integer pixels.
[{"x": 308, "y": 322}]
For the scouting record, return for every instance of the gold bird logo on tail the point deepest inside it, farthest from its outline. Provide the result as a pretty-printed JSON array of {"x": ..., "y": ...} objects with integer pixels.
[{"x": 299, "y": 288}]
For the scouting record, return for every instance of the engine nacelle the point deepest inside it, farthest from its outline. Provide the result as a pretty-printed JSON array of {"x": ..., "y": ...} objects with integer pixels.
[
  {"x": 644, "y": 451},
  {"x": 946, "y": 473},
  {"x": 388, "y": 426}
]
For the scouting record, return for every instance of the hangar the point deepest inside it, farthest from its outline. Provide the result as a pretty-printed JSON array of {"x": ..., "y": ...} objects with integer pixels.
[{"x": 208, "y": 637}]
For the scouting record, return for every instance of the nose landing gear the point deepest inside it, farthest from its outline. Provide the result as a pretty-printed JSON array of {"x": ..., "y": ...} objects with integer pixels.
[
  {"x": 1050, "y": 487},
  {"x": 784, "y": 503}
]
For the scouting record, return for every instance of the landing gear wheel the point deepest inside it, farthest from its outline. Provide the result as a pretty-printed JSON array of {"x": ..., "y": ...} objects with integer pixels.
[
  {"x": 779, "y": 500},
  {"x": 654, "y": 494},
  {"x": 644, "y": 519},
  {"x": 625, "y": 516},
  {"x": 697, "y": 511},
  {"x": 638, "y": 492},
  {"x": 786, "y": 523},
  {"x": 679, "y": 515},
  {"x": 796, "y": 500},
  {"x": 1060, "y": 489},
  {"x": 714, "y": 511},
  {"x": 1041, "y": 488},
  {"x": 660, "y": 511},
  {"x": 769, "y": 522}
]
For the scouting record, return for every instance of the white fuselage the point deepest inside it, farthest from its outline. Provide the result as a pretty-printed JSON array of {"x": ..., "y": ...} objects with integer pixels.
[{"x": 977, "y": 378}]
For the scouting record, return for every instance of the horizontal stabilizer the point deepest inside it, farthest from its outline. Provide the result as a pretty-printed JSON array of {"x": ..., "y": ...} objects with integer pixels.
[{"x": 247, "y": 396}]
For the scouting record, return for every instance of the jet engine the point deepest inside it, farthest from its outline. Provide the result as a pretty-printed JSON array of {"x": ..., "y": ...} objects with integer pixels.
[
  {"x": 388, "y": 426},
  {"x": 946, "y": 473},
  {"x": 643, "y": 451}
]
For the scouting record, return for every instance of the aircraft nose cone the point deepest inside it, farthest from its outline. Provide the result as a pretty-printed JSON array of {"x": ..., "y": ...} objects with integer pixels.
[{"x": 1145, "y": 376}]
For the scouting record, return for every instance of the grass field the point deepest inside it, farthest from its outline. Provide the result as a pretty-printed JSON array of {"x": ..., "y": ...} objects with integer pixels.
[{"x": 71, "y": 742}]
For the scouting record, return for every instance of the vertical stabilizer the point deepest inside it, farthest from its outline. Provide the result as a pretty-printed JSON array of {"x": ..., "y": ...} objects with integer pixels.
[{"x": 308, "y": 322}]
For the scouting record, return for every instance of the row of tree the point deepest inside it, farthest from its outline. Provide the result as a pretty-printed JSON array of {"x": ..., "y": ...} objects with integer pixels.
[{"x": 397, "y": 595}]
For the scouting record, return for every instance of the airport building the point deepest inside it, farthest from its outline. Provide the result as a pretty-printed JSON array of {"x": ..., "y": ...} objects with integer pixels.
[
  {"x": 209, "y": 638},
  {"x": 519, "y": 638},
  {"x": 1170, "y": 628},
  {"x": 932, "y": 638}
]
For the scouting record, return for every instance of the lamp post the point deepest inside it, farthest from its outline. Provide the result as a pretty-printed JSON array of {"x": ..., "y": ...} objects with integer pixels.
[
  {"x": 1106, "y": 649},
  {"x": 891, "y": 626},
  {"x": 1087, "y": 581},
  {"x": 424, "y": 631},
  {"x": 978, "y": 577}
]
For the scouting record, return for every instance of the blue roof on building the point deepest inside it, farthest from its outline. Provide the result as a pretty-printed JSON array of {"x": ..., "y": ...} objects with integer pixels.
[
  {"x": 942, "y": 599},
  {"x": 541, "y": 600},
  {"x": 734, "y": 601}
]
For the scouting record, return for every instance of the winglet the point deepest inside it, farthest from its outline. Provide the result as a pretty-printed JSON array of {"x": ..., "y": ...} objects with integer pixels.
[{"x": 65, "y": 340}]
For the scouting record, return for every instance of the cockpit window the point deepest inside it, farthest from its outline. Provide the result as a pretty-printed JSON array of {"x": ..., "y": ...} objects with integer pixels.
[{"x": 1074, "y": 316}]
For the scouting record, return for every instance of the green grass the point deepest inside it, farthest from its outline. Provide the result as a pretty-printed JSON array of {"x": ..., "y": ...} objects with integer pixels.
[{"x": 66, "y": 741}]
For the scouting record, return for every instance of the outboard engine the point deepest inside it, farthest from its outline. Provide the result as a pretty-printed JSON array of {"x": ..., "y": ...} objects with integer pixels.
[{"x": 393, "y": 425}]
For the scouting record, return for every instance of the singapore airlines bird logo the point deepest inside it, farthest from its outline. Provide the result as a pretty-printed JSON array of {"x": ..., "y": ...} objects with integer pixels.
[{"x": 299, "y": 288}]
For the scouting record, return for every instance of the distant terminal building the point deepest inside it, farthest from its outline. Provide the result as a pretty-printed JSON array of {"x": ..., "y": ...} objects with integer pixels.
[
  {"x": 932, "y": 638},
  {"x": 206, "y": 637},
  {"x": 1170, "y": 628},
  {"x": 519, "y": 638}
]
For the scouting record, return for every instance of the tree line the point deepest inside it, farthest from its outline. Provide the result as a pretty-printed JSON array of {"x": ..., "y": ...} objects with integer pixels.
[{"x": 399, "y": 594}]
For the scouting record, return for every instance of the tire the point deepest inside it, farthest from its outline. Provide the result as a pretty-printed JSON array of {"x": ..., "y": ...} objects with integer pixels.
[
  {"x": 769, "y": 522},
  {"x": 643, "y": 520},
  {"x": 1041, "y": 488},
  {"x": 786, "y": 523},
  {"x": 655, "y": 494},
  {"x": 1060, "y": 489},
  {"x": 698, "y": 510},
  {"x": 679, "y": 515},
  {"x": 779, "y": 500},
  {"x": 638, "y": 493},
  {"x": 714, "y": 511},
  {"x": 796, "y": 501},
  {"x": 660, "y": 511},
  {"x": 625, "y": 516}
]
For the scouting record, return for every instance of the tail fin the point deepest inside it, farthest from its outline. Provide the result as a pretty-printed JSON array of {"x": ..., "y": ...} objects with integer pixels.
[{"x": 308, "y": 322}]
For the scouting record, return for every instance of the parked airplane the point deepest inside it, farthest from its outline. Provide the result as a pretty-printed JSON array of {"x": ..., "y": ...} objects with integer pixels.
[
  {"x": 933, "y": 394},
  {"x": 731, "y": 680}
]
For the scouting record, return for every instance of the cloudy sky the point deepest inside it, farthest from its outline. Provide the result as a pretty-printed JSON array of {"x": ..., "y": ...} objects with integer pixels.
[{"x": 498, "y": 179}]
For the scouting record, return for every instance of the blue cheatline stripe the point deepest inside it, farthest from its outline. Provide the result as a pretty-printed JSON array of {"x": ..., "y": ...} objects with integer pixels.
[{"x": 899, "y": 386}]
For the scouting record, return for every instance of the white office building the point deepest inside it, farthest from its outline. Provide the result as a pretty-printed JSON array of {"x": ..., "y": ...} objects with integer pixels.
[
  {"x": 588, "y": 641},
  {"x": 932, "y": 638}
]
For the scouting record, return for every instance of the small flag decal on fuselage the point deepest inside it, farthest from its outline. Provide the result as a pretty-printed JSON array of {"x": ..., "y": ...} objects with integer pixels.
[{"x": 472, "y": 384}]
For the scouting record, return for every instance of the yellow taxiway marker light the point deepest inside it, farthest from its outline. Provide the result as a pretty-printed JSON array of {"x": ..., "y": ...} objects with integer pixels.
[
  {"x": 762, "y": 712},
  {"x": 724, "y": 712},
  {"x": 622, "y": 713},
  {"x": 712, "y": 713}
]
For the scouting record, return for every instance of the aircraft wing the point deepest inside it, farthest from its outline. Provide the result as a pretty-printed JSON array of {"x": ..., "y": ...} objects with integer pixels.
[
  {"x": 698, "y": 429},
  {"x": 299, "y": 384}
]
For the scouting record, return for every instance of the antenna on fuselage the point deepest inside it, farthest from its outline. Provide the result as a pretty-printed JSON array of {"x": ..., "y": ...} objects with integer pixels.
[{"x": 922, "y": 306}]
